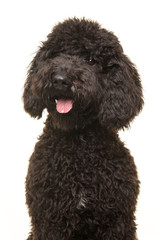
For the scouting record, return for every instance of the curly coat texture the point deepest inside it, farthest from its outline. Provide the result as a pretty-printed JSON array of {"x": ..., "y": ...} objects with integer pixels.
[{"x": 82, "y": 182}]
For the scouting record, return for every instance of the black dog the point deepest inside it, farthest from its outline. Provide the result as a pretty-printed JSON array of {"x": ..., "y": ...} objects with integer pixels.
[{"x": 82, "y": 182}]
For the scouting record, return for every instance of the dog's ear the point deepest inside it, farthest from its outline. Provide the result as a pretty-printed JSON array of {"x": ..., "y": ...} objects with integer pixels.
[
  {"x": 32, "y": 104},
  {"x": 121, "y": 92}
]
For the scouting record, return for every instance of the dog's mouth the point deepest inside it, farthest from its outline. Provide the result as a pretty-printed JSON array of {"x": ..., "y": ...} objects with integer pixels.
[{"x": 64, "y": 105}]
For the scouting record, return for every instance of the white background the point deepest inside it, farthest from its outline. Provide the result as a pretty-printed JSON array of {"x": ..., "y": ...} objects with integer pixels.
[{"x": 23, "y": 25}]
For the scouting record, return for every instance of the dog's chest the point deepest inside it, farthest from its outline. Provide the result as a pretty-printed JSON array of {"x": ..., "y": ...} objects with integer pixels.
[
  {"x": 77, "y": 169},
  {"x": 72, "y": 171}
]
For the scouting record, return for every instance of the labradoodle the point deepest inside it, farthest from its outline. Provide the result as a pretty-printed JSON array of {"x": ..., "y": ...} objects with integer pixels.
[{"x": 82, "y": 181}]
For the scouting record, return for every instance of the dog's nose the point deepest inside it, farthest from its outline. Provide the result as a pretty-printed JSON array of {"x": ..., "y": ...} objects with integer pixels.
[{"x": 60, "y": 80}]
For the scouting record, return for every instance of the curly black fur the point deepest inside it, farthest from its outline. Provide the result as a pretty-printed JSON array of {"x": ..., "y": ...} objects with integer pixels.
[{"x": 82, "y": 182}]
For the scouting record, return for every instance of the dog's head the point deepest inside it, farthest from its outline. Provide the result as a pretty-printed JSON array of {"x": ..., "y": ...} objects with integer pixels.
[{"x": 80, "y": 74}]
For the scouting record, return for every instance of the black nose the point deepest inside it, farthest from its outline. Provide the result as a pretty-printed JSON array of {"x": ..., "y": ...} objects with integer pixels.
[{"x": 60, "y": 80}]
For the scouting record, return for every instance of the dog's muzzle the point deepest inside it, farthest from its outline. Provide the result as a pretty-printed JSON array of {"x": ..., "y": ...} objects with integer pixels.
[{"x": 62, "y": 84}]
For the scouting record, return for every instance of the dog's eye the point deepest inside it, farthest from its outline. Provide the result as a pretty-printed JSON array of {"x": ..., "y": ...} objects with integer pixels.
[{"x": 90, "y": 61}]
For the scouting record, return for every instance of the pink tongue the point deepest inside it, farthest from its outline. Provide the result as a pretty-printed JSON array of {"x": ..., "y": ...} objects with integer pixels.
[{"x": 64, "y": 106}]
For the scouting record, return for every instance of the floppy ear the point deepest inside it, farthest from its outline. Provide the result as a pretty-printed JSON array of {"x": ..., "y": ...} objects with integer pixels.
[
  {"x": 32, "y": 104},
  {"x": 121, "y": 93}
]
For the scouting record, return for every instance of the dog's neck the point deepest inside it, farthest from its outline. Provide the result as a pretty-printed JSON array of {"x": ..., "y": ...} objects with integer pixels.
[{"x": 94, "y": 128}]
